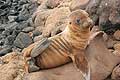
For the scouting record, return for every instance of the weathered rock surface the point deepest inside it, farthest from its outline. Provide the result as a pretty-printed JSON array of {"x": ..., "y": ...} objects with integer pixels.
[
  {"x": 100, "y": 59},
  {"x": 78, "y": 4},
  {"x": 117, "y": 35},
  {"x": 15, "y": 16},
  {"x": 56, "y": 22},
  {"x": 39, "y": 19},
  {"x": 116, "y": 73},
  {"x": 12, "y": 67},
  {"x": 22, "y": 40},
  {"x": 65, "y": 72},
  {"x": 106, "y": 14},
  {"x": 28, "y": 29}
]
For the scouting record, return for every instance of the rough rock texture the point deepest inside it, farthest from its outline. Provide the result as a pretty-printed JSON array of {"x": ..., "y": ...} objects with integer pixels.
[
  {"x": 100, "y": 59},
  {"x": 50, "y": 18},
  {"x": 22, "y": 40},
  {"x": 65, "y": 72},
  {"x": 56, "y": 22},
  {"x": 15, "y": 15},
  {"x": 78, "y": 4},
  {"x": 39, "y": 19},
  {"x": 117, "y": 35},
  {"x": 12, "y": 67},
  {"x": 116, "y": 73},
  {"x": 106, "y": 14}
]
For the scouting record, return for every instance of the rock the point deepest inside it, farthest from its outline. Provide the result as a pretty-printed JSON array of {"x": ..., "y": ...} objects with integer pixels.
[
  {"x": 101, "y": 63},
  {"x": 78, "y": 4},
  {"x": 65, "y": 3},
  {"x": 9, "y": 40},
  {"x": 36, "y": 33},
  {"x": 106, "y": 37},
  {"x": 64, "y": 72},
  {"x": 110, "y": 43},
  {"x": 117, "y": 46},
  {"x": 2, "y": 29},
  {"x": 117, "y": 49},
  {"x": 56, "y": 21},
  {"x": 5, "y": 51},
  {"x": 13, "y": 67},
  {"x": 39, "y": 19},
  {"x": 9, "y": 10},
  {"x": 37, "y": 38},
  {"x": 53, "y": 3},
  {"x": 22, "y": 40},
  {"x": 2, "y": 41},
  {"x": 28, "y": 29},
  {"x": 117, "y": 35},
  {"x": 116, "y": 73},
  {"x": 105, "y": 13},
  {"x": 11, "y": 18},
  {"x": 100, "y": 59}
]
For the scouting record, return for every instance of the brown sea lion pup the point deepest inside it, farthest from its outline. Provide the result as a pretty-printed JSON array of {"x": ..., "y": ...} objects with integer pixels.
[{"x": 64, "y": 47}]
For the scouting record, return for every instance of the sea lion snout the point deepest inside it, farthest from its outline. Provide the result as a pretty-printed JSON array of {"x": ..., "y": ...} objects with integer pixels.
[{"x": 88, "y": 23}]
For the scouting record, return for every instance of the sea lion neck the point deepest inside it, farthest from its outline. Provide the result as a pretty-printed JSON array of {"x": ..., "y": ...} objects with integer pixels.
[{"x": 78, "y": 39}]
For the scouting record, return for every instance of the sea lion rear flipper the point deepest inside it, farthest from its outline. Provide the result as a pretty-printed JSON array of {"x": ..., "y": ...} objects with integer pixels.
[
  {"x": 80, "y": 61},
  {"x": 40, "y": 47}
]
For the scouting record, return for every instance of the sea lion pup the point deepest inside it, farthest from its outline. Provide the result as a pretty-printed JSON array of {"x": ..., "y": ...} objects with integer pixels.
[{"x": 66, "y": 46}]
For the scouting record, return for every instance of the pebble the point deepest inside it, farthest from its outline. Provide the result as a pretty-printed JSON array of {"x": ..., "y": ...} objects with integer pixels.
[{"x": 28, "y": 29}]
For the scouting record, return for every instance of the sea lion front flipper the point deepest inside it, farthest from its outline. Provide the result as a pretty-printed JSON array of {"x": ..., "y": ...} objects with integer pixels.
[
  {"x": 40, "y": 47},
  {"x": 80, "y": 61}
]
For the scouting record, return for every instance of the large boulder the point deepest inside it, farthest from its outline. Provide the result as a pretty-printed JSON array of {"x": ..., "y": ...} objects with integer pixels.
[
  {"x": 12, "y": 67},
  {"x": 56, "y": 22},
  {"x": 101, "y": 63},
  {"x": 106, "y": 14}
]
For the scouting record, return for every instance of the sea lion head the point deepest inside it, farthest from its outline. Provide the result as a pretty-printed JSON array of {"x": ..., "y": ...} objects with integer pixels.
[{"x": 79, "y": 19}]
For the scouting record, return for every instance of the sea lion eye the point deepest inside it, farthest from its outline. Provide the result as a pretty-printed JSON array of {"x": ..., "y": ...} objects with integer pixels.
[{"x": 78, "y": 21}]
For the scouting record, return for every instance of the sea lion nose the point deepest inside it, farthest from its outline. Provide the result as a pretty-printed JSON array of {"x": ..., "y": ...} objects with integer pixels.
[{"x": 88, "y": 24}]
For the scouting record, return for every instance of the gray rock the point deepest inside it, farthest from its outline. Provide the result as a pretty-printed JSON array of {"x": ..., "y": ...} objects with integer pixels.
[
  {"x": 36, "y": 33},
  {"x": 11, "y": 18},
  {"x": 5, "y": 51},
  {"x": 1, "y": 29},
  {"x": 9, "y": 40},
  {"x": 22, "y": 40},
  {"x": 2, "y": 41},
  {"x": 38, "y": 38},
  {"x": 28, "y": 29}
]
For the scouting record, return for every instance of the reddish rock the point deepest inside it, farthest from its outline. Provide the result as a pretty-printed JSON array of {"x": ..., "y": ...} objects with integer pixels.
[
  {"x": 56, "y": 21},
  {"x": 53, "y": 3},
  {"x": 117, "y": 35},
  {"x": 116, "y": 73},
  {"x": 13, "y": 67},
  {"x": 39, "y": 19},
  {"x": 117, "y": 49},
  {"x": 65, "y": 72},
  {"x": 101, "y": 62},
  {"x": 117, "y": 46},
  {"x": 78, "y": 4}
]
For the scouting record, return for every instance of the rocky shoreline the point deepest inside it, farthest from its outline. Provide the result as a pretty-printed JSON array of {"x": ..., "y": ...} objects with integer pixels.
[
  {"x": 15, "y": 22},
  {"x": 23, "y": 22}
]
